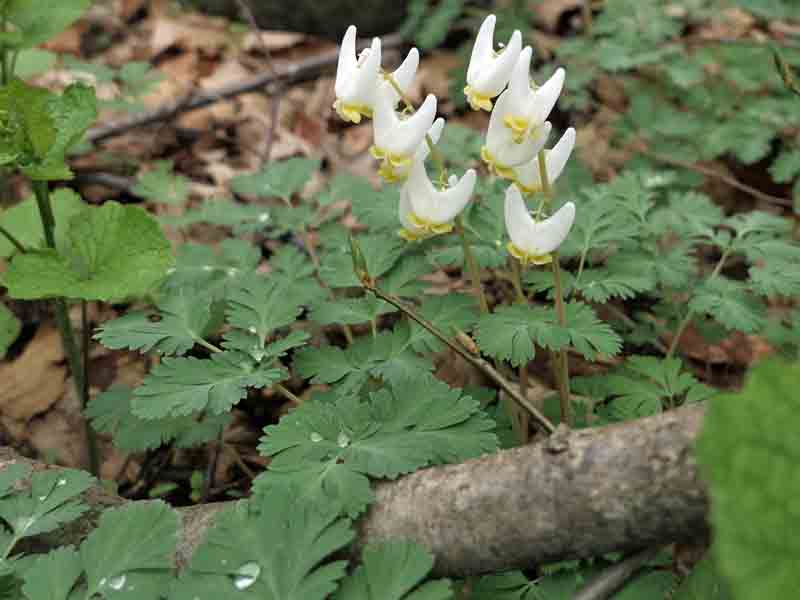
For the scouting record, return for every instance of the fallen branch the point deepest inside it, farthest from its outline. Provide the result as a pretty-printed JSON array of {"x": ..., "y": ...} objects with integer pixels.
[
  {"x": 295, "y": 73},
  {"x": 576, "y": 494}
]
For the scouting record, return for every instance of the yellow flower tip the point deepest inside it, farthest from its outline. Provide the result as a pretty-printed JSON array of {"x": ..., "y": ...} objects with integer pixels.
[
  {"x": 389, "y": 175},
  {"x": 408, "y": 236},
  {"x": 528, "y": 259},
  {"x": 424, "y": 229},
  {"x": 478, "y": 101},
  {"x": 528, "y": 191},
  {"x": 399, "y": 160},
  {"x": 352, "y": 112},
  {"x": 518, "y": 126},
  {"x": 377, "y": 153}
]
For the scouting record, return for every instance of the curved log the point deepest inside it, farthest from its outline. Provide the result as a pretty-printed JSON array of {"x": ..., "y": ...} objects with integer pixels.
[{"x": 576, "y": 494}]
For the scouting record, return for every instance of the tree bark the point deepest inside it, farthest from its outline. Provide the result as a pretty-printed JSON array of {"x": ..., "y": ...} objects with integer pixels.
[{"x": 576, "y": 494}]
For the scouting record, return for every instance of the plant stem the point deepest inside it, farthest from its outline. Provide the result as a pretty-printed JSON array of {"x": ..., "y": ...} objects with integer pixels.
[
  {"x": 91, "y": 436},
  {"x": 14, "y": 241},
  {"x": 524, "y": 423},
  {"x": 474, "y": 360},
  {"x": 61, "y": 313},
  {"x": 562, "y": 365},
  {"x": 688, "y": 318},
  {"x": 586, "y": 9},
  {"x": 288, "y": 394},
  {"x": 472, "y": 266}
]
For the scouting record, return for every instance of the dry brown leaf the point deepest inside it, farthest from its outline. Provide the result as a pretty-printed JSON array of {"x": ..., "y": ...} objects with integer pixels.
[
  {"x": 191, "y": 32},
  {"x": 61, "y": 431},
  {"x": 548, "y": 12},
  {"x": 35, "y": 381},
  {"x": 272, "y": 40}
]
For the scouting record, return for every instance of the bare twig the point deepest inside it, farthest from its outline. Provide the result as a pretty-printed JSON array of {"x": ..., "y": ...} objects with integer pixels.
[{"x": 608, "y": 582}]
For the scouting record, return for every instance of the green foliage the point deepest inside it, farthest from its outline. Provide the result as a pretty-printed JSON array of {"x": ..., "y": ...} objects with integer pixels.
[
  {"x": 111, "y": 412},
  {"x": 278, "y": 180},
  {"x": 269, "y": 549},
  {"x": 224, "y": 212},
  {"x": 328, "y": 450},
  {"x": 703, "y": 583},
  {"x": 161, "y": 185},
  {"x": 729, "y": 303},
  {"x": 110, "y": 252},
  {"x": 36, "y": 21},
  {"x": 394, "y": 571},
  {"x": 182, "y": 386},
  {"x": 23, "y": 221},
  {"x": 53, "y": 575},
  {"x": 511, "y": 332},
  {"x": 10, "y": 326},
  {"x": 748, "y": 451}
]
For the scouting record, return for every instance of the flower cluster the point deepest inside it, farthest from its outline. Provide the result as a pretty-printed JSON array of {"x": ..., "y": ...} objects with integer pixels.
[{"x": 515, "y": 139}]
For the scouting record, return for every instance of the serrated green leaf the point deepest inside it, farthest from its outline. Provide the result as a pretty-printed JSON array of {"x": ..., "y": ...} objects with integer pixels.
[
  {"x": 242, "y": 218},
  {"x": 11, "y": 475},
  {"x": 278, "y": 179},
  {"x": 775, "y": 278},
  {"x": 53, "y": 575},
  {"x": 349, "y": 311},
  {"x": 749, "y": 453},
  {"x": 447, "y": 313},
  {"x": 131, "y": 546},
  {"x": 39, "y": 20},
  {"x": 394, "y": 571},
  {"x": 271, "y": 548},
  {"x": 10, "y": 327},
  {"x": 201, "y": 267},
  {"x": 111, "y": 412},
  {"x": 110, "y": 252},
  {"x": 511, "y": 332},
  {"x": 786, "y": 167},
  {"x": 25, "y": 224},
  {"x": 182, "y": 386},
  {"x": 182, "y": 320},
  {"x": 161, "y": 185},
  {"x": 381, "y": 253},
  {"x": 320, "y": 446},
  {"x": 730, "y": 303},
  {"x": 260, "y": 305},
  {"x": 47, "y": 504}
]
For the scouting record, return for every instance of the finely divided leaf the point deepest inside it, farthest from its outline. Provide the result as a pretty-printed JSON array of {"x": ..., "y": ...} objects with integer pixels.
[
  {"x": 271, "y": 548},
  {"x": 730, "y": 303},
  {"x": 278, "y": 179},
  {"x": 394, "y": 570},
  {"x": 110, "y": 252},
  {"x": 260, "y": 305},
  {"x": 161, "y": 185},
  {"x": 182, "y": 386}
]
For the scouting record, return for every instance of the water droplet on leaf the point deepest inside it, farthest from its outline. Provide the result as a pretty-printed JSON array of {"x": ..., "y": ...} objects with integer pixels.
[
  {"x": 315, "y": 437},
  {"x": 116, "y": 583},
  {"x": 343, "y": 440},
  {"x": 246, "y": 575}
]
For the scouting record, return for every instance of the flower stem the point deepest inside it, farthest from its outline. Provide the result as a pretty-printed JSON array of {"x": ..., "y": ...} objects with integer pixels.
[
  {"x": 472, "y": 266},
  {"x": 516, "y": 279},
  {"x": 688, "y": 318},
  {"x": 561, "y": 359},
  {"x": 91, "y": 437},
  {"x": 473, "y": 359},
  {"x": 61, "y": 313}
]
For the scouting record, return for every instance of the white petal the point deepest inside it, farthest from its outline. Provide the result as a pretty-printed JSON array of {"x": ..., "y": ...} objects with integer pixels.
[
  {"x": 347, "y": 60},
  {"x": 404, "y": 74},
  {"x": 519, "y": 86},
  {"x": 359, "y": 87},
  {"x": 482, "y": 50},
  {"x": 499, "y": 140},
  {"x": 404, "y": 210},
  {"x": 437, "y": 206},
  {"x": 546, "y": 96},
  {"x": 555, "y": 160},
  {"x": 401, "y": 136},
  {"x": 495, "y": 72},
  {"x": 532, "y": 237},
  {"x": 435, "y": 132}
]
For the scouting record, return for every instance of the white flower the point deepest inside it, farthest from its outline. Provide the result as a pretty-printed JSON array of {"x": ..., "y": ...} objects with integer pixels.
[
  {"x": 528, "y": 107},
  {"x": 426, "y": 211},
  {"x": 394, "y": 173},
  {"x": 527, "y": 176},
  {"x": 489, "y": 71},
  {"x": 358, "y": 78},
  {"x": 397, "y": 138},
  {"x": 532, "y": 241},
  {"x": 501, "y": 151}
]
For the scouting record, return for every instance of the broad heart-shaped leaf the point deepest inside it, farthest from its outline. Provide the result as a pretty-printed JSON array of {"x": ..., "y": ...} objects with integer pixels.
[
  {"x": 390, "y": 570},
  {"x": 49, "y": 503},
  {"x": 39, "y": 20},
  {"x": 269, "y": 548},
  {"x": 511, "y": 332},
  {"x": 111, "y": 412},
  {"x": 182, "y": 386},
  {"x": 277, "y": 179},
  {"x": 24, "y": 223},
  {"x": 10, "y": 327},
  {"x": 329, "y": 449},
  {"x": 182, "y": 320},
  {"x": 749, "y": 451},
  {"x": 132, "y": 548},
  {"x": 53, "y": 575},
  {"x": 110, "y": 252}
]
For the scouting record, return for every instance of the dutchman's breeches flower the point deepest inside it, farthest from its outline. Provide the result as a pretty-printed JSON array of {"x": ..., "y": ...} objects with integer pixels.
[
  {"x": 400, "y": 172},
  {"x": 396, "y": 137},
  {"x": 358, "y": 77},
  {"x": 489, "y": 71},
  {"x": 426, "y": 211},
  {"x": 532, "y": 242},
  {"x": 528, "y": 177},
  {"x": 501, "y": 152}
]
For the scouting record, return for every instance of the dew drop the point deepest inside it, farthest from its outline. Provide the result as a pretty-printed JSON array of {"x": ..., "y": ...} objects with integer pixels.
[
  {"x": 116, "y": 583},
  {"x": 263, "y": 217},
  {"x": 102, "y": 582},
  {"x": 246, "y": 575},
  {"x": 252, "y": 329},
  {"x": 343, "y": 440},
  {"x": 42, "y": 498},
  {"x": 62, "y": 482},
  {"x": 315, "y": 437},
  {"x": 208, "y": 267}
]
